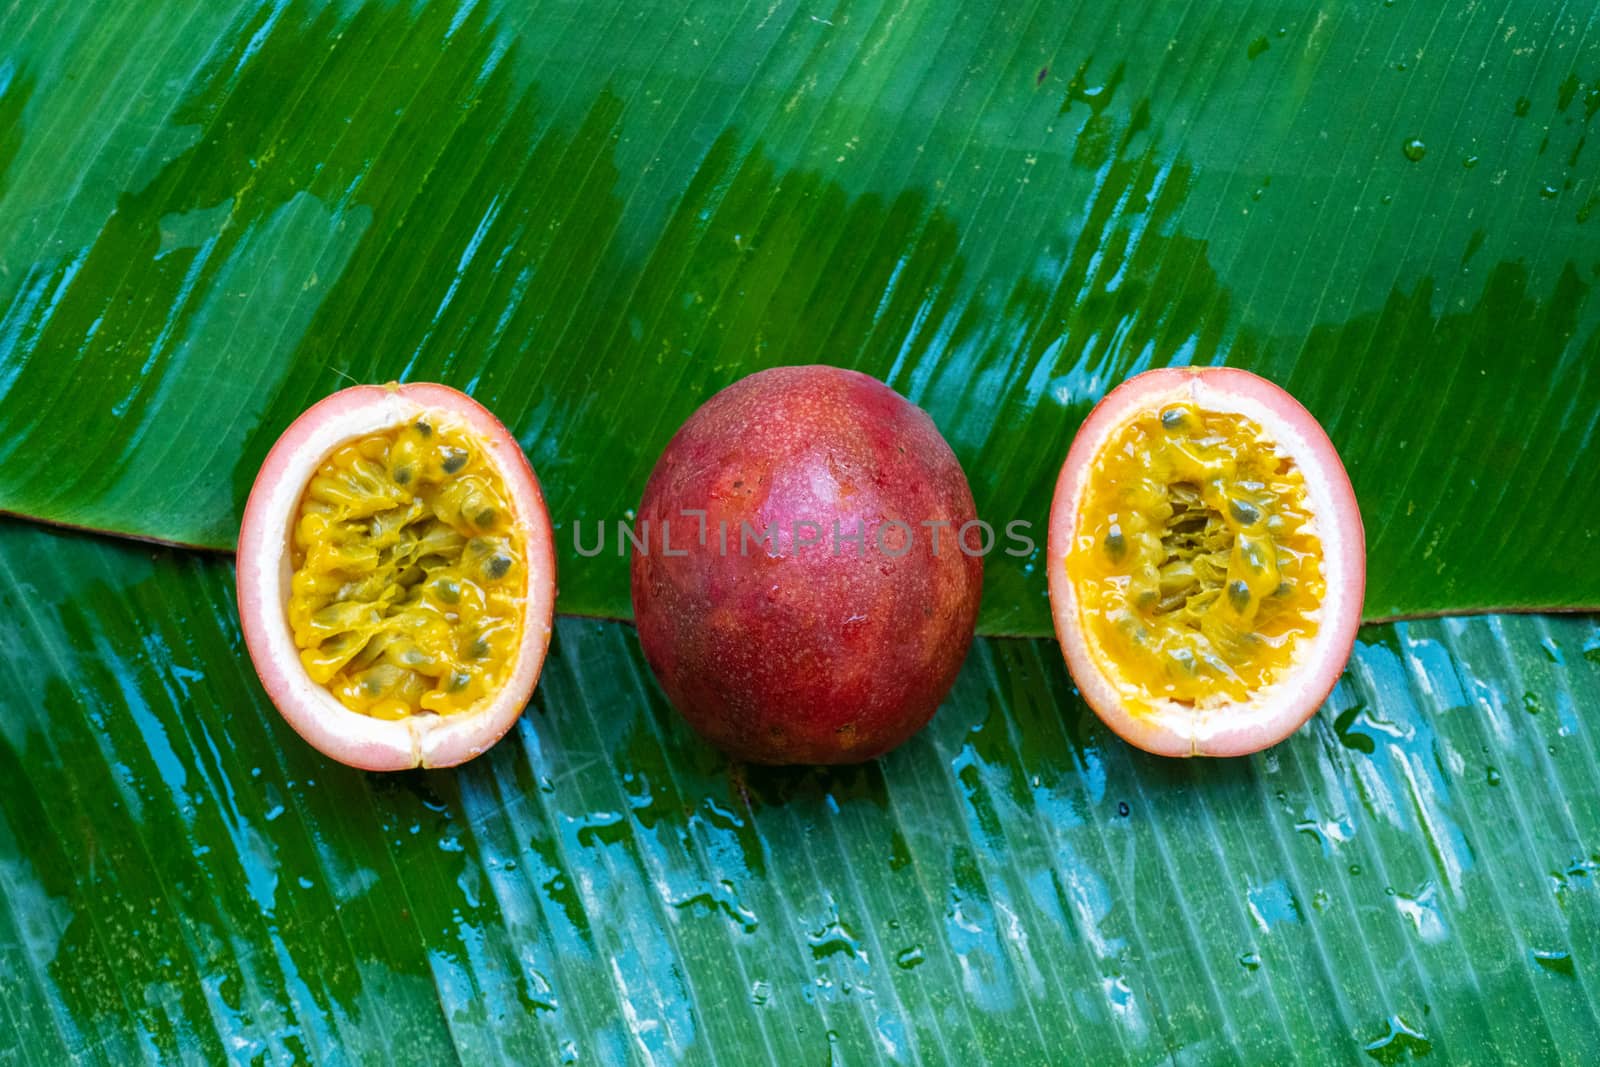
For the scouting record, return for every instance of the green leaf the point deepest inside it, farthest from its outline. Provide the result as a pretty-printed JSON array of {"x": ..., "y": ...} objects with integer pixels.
[
  {"x": 213, "y": 213},
  {"x": 182, "y": 877}
]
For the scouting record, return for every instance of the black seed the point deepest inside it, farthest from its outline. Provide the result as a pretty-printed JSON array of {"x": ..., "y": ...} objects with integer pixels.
[
  {"x": 479, "y": 647},
  {"x": 1172, "y": 418},
  {"x": 1116, "y": 544},
  {"x": 497, "y": 566},
  {"x": 402, "y": 476},
  {"x": 454, "y": 460},
  {"x": 423, "y": 428},
  {"x": 1239, "y": 595},
  {"x": 447, "y": 590},
  {"x": 485, "y": 517},
  {"x": 1245, "y": 512},
  {"x": 458, "y": 682}
]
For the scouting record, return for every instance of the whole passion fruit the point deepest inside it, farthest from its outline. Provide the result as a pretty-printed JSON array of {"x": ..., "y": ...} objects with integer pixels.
[
  {"x": 804, "y": 579},
  {"x": 1207, "y": 562},
  {"x": 397, "y": 577}
]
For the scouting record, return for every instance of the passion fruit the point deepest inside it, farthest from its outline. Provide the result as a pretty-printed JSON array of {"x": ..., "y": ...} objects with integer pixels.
[
  {"x": 803, "y": 575},
  {"x": 397, "y": 577},
  {"x": 1207, "y": 562}
]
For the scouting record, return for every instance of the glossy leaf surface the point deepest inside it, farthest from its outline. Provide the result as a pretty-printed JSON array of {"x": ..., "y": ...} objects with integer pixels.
[
  {"x": 181, "y": 878},
  {"x": 591, "y": 216}
]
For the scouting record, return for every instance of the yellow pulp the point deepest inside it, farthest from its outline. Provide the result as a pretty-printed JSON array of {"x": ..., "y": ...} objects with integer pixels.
[
  {"x": 1196, "y": 562},
  {"x": 409, "y": 573}
]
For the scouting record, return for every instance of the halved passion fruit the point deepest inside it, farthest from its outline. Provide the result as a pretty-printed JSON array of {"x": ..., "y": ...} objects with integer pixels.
[
  {"x": 397, "y": 577},
  {"x": 1207, "y": 562}
]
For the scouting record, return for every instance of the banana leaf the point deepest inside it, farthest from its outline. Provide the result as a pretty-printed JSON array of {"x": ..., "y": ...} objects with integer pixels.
[
  {"x": 183, "y": 879},
  {"x": 593, "y": 216}
]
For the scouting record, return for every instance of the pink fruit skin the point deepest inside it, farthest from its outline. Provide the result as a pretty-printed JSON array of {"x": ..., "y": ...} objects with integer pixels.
[
  {"x": 787, "y": 654},
  {"x": 357, "y": 740},
  {"x": 1250, "y": 733}
]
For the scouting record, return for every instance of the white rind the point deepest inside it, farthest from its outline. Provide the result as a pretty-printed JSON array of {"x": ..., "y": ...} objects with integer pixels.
[
  {"x": 1169, "y": 727},
  {"x": 265, "y": 571}
]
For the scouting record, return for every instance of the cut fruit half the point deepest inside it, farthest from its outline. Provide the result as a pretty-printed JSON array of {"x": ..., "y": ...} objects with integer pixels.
[
  {"x": 397, "y": 577},
  {"x": 1207, "y": 562}
]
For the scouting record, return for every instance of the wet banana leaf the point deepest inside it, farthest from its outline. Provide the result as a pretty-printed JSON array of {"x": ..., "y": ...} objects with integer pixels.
[
  {"x": 182, "y": 879},
  {"x": 592, "y": 216}
]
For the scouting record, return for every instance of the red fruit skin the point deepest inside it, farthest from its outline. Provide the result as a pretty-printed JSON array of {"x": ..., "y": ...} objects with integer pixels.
[{"x": 798, "y": 653}]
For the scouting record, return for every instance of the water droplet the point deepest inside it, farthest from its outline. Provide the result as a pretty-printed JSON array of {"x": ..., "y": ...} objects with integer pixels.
[
  {"x": 1122, "y": 808},
  {"x": 1421, "y": 909},
  {"x": 1414, "y": 149},
  {"x": 1493, "y": 776},
  {"x": 760, "y": 992},
  {"x": 1355, "y": 868},
  {"x": 1400, "y": 1042},
  {"x": 569, "y": 1052},
  {"x": 1118, "y": 993},
  {"x": 1359, "y": 728},
  {"x": 911, "y": 958},
  {"x": 1530, "y": 703},
  {"x": 832, "y": 940},
  {"x": 1470, "y": 162},
  {"x": 721, "y": 897},
  {"x": 1272, "y": 904},
  {"x": 602, "y": 828},
  {"x": 1250, "y": 961},
  {"x": 1329, "y": 834},
  {"x": 1555, "y": 961},
  {"x": 1548, "y": 192}
]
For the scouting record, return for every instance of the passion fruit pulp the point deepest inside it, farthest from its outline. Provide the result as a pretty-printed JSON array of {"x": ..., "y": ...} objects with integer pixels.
[
  {"x": 791, "y": 594},
  {"x": 1207, "y": 562},
  {"x": 397, "y": 577}
]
